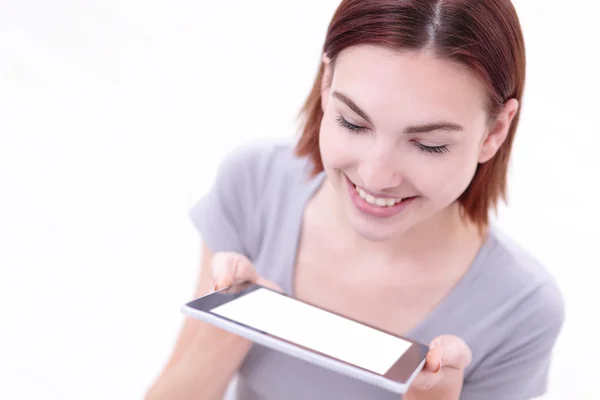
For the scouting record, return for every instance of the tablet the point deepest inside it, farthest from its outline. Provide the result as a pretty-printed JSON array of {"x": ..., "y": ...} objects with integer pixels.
[{"x": 313, "y": 334}]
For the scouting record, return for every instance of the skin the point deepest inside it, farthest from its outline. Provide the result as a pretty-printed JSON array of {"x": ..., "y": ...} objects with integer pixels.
[
  {"x": 388, "y": 272},
  {"x": 398, "y": 92}
]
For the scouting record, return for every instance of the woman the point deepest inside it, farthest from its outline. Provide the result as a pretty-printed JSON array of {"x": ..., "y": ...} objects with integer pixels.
[{"x": 380, "y": 213}]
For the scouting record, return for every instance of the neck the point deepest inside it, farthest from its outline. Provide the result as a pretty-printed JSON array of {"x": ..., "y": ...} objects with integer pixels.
[{"x": 438, "y": 236}]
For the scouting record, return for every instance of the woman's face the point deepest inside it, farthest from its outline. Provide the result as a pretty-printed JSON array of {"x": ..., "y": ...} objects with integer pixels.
[{"x": 402, "y": 135}]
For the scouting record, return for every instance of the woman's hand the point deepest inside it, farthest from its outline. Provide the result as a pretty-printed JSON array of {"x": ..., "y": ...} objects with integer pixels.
[
  {"x": 442, "y": 376},
  {"x": 229, "y": 269}
]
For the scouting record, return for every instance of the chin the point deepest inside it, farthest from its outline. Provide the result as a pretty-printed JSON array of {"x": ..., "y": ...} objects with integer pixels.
[
  {"x": 376, "y": 229},
  {"x": 374, "y": 235}
]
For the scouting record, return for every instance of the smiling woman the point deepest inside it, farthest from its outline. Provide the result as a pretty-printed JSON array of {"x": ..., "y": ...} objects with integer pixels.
[{"x": 381, "y": 213}]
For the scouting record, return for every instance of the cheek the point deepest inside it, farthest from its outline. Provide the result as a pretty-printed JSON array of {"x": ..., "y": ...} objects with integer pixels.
[
  {"x": 448, "y": 179},
  {"x": 440, "y": 177},
  {"x": 336, "y": 151}
]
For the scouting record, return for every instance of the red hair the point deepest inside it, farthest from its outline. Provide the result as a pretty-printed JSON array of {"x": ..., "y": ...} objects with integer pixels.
[{"x": 483, "y": 35}]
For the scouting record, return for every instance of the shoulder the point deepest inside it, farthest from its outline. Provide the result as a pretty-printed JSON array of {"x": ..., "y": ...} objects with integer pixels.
[
  {"x": 255, "y": 185},
  {"x": 522, "y": 285},
  {"x": 263, "y": 166},
  {"x": 521, "y": 312},
  {"x": 518, "y": 271}
]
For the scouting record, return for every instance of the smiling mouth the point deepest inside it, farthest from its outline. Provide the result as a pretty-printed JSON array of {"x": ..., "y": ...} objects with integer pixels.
[
  {"x": 379, "y": 201},
  {"x": 382, "y": 202}
]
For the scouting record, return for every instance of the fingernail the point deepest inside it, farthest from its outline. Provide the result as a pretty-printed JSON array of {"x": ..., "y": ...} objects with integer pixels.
[{"x": 440, "y": 368}]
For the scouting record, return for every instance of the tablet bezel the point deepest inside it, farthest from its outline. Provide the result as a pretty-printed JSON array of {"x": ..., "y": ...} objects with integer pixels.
[{"x": 401, "y": 372}]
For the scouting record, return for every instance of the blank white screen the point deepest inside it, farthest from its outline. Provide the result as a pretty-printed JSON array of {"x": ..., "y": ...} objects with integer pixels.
[{"x": 316, "y": 329}]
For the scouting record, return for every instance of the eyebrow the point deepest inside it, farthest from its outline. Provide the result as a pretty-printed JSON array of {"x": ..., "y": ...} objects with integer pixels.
[
  {"x": 347, "y": 101},
  {"x": 436, "y": 126}
]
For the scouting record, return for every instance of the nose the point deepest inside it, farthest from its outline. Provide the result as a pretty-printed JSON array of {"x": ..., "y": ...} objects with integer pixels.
[{"x": 379, "y": 170}]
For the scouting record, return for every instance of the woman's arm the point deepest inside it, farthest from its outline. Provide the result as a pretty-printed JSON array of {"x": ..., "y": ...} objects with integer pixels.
[{"x": 204, "y": 358}]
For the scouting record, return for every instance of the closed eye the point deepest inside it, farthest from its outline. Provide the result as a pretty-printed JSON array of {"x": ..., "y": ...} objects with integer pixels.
[
  {"x": 431, "y": 149},
  {"x": 349, "y": 126},
  {"x": 357, "y": 129}
]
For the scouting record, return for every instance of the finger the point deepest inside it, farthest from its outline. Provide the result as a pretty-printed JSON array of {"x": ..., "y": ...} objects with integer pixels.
[
  {"x": 434, "y": 360},
  {"x": 229, "y": 268},
  {"x": 221, "y": 269},
  {"x": 433, "y": 371},
  {"x": 447, "y": 352},
  {"x": 425, "y": 380},
  {"x": 244, "y": 271}
]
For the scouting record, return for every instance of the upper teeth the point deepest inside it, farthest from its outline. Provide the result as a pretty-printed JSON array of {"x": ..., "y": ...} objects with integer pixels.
[{"x": 376, "y": 200}]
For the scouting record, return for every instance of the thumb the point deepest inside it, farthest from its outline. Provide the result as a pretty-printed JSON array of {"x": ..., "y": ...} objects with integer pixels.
[
  {"x": 244, "y": 271},
  {"x": 448, "y": 352},
  {"x": 230, "y": 268}
]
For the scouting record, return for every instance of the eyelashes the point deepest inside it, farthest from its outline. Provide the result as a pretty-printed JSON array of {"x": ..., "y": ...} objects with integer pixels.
[
  {"x": 351, "y": 127},
  {"x": 431, "y": 149},
  {"x": 357, "y": 129}
]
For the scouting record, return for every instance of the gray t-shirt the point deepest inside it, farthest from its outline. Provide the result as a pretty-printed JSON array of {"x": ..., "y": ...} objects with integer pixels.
[{"x": 507, "y": 308}]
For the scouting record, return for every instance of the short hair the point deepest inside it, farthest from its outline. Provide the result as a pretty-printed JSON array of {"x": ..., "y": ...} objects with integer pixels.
[{"x": 483, "y": 35}]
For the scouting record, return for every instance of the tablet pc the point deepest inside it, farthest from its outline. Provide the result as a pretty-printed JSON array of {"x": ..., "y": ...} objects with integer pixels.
[{"x": 313, "y": 334}]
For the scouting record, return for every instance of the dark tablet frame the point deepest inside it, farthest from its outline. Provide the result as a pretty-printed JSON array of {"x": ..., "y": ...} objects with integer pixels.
[{"x": 400, "y": 372}]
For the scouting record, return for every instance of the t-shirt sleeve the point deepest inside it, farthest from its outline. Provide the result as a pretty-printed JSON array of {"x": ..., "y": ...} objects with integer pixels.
[
  {"x": 518, "y": 369},
  {"x": 224, "y": 216}
]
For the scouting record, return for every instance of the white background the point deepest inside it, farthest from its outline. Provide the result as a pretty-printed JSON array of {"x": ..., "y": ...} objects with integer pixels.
[{"x": 113, "y": 117}]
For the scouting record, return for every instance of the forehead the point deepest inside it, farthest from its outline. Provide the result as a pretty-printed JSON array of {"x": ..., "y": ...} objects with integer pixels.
[{"x": 416, "y": 85}]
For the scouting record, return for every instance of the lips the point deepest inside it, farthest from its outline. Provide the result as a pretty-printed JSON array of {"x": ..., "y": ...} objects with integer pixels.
[
  {"x": 377, "y": 201},
  {"x": 377, "y": 205}
]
